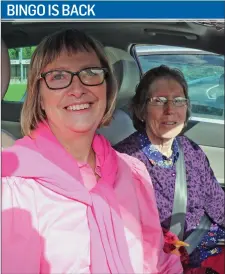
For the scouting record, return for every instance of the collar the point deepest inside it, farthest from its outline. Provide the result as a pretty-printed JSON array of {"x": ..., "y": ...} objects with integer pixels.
[{"x": 154, "y": 155}]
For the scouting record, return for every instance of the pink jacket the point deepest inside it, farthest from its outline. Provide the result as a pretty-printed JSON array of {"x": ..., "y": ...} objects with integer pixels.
[{"x": 51, "y": 223}]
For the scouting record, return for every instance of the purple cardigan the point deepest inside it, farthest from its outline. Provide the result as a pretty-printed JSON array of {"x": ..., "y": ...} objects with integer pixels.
[{"x": 205, "y": 195}]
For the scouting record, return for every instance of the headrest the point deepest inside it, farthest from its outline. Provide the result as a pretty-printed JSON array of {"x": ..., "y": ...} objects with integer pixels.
[
  {"x": 126, "y": 72},
  {"x": 120, "y": 127},
  {"x": 5, "y": 68}
]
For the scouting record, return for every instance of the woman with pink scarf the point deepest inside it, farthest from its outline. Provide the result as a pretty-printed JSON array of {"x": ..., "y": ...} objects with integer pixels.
[{"x": 70, "y": 202}]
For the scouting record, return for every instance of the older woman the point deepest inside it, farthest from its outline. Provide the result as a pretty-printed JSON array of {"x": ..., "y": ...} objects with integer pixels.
[
  {"x": 161, "y": 110},
  {"x": 71, "y": 203}
]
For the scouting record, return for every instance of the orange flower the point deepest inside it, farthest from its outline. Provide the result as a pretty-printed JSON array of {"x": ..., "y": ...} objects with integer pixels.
[
  {"x": 178, "y": 244},
  {"x": 172, "y": 242}
]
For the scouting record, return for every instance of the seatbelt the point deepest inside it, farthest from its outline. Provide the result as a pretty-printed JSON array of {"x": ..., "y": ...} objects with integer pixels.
[
  {"x": 180, "y": 198},
  {"x": 180, "y": 208},
  {"x": 195, "y": 237}
]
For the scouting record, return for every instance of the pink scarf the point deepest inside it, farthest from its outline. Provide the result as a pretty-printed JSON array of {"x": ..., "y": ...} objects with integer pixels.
[{"x": 46, "y": 161}]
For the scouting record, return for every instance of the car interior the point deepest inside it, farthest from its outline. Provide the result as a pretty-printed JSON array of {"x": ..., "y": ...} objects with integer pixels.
[{"x": 119, "y": 40}]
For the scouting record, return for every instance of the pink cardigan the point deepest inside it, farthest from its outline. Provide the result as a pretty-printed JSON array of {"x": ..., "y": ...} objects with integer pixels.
[{"x": 51, "y": 223}]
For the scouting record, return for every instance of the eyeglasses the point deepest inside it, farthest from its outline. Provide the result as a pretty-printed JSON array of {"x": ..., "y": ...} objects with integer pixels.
[
  {"x": 59, "y": 79},
  {"x": 162, "y": 101}
]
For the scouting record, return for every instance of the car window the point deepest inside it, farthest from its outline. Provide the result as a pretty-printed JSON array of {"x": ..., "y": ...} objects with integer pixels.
[
  {"x": 203, "y": 71},
  {"x": 19, "y": 64}
]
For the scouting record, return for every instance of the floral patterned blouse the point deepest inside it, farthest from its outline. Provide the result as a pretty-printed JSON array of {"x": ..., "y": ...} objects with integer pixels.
[{"x": 205, "y": 195}]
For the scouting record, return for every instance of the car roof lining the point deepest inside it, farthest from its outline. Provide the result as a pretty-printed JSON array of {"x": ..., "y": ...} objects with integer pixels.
[{"x": 181, "y": 33}]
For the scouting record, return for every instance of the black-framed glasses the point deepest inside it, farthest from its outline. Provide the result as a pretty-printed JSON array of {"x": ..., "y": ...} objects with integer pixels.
[
  {"x": 60, "y": 79},
  {"x": 162, "y": 101}
]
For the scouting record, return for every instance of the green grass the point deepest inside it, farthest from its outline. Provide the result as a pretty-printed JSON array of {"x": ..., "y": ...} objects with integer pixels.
[{"x": 15, "y": 92}]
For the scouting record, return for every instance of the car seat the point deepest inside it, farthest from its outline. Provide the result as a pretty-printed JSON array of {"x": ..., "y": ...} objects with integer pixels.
[
  {"x": 7, "y": 138},
  {"x": 127, "y": 75}
]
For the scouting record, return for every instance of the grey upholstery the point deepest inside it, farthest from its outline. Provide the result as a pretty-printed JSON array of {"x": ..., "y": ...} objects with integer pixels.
[
  {"x": 5, "y": 69},
  {"x": 7, "y": 139},
  {"x": 120, "y": 127},
  {"x": 128, "y": 76},
  {"x": 126, "y": 72}
]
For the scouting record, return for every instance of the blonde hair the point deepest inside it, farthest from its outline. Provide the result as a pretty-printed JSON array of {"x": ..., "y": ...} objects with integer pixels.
[{"x": 46, "y": 52}]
